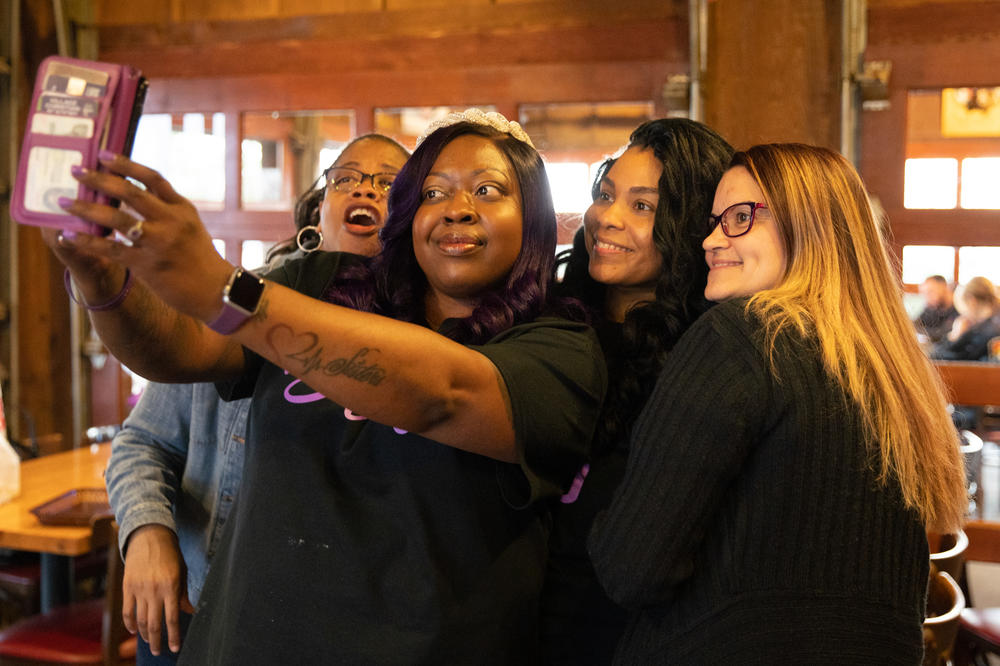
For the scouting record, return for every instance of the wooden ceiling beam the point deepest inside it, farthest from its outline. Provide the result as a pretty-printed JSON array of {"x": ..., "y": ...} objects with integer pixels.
[
  {"x": 454, "y": 19},
  {"x": 658, "y": 40}
]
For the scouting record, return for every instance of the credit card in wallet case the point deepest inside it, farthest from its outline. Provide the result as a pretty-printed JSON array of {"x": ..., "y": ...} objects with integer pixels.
[{"x": 78, "y": 108}]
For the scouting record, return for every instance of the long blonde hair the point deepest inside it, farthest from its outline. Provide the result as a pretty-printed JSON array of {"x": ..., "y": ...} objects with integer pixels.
[{"x": 839, "y": 286}]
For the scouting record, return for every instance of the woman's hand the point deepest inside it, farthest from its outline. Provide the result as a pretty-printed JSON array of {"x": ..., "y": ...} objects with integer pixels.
[{"x": 165, "y": 243}]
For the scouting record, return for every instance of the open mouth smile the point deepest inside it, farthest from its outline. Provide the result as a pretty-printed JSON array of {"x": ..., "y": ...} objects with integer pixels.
[
  {"x": 607, "y": 247},
  {"x": 363, "y": 220}
]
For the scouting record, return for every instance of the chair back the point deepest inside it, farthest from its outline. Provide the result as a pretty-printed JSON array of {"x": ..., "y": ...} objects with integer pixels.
[
  {"x": 82, "y": 632},
  {"x": 948, "y": 552},
  {"x": 945, "y": 603},
  {"x": 113, "y": 630}
]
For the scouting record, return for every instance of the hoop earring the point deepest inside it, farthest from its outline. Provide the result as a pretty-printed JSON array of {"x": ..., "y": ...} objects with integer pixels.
[{"x": 309, "y": 239}]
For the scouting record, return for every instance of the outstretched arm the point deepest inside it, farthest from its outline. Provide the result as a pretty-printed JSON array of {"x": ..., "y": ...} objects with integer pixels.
[
  {"x": 393, "y": 372},
  {"x": 149, "y": 336}
]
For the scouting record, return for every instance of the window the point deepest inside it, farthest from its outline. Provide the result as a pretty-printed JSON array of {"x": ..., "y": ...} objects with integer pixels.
[
  {"x": 930, "y": 183},
  {"x": 254, "y": 253},
  {"x": 981, "y": 182},
  {"x": 574, "y": 140},
  {"x": 285, "y": 152},
  {"x": 984, "y": 261},
  {"x": 189, "y": 150},
  {"x": 407, "y": 124},
  {"x": 952, "y": 149},
  {"x": 922, "y": 261}
]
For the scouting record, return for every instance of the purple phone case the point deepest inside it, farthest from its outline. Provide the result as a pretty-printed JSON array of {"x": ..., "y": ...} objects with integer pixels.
[{"x": 108, "y": 107}]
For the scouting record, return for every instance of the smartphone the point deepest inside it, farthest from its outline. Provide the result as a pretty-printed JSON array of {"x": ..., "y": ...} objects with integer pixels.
[{"x": 78, "y": 108}]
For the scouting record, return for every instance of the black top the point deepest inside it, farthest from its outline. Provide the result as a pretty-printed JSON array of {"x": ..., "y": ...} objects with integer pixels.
[
  {"x": 750, "y": 527},
  {"x": 355, "y": 543},
  {"x": 936, "y": 322},
  {"x": 580, "y": 624},
  {"x": 973, "y": 345}
]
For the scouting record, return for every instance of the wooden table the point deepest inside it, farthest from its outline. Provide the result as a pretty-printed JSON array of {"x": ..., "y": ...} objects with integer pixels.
[{"x": 43, "y": 479}]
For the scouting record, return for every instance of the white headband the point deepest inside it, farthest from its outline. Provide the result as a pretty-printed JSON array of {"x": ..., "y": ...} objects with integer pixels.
[{"x": 480, "y": 117}]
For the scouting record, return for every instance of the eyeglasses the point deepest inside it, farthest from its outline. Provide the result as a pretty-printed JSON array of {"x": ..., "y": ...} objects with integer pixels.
[
  {"x": 737, "y": 219},
  {"x": 346, "y": 179}
]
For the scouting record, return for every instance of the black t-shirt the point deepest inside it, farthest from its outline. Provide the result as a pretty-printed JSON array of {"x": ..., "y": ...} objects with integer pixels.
[{"x": 353, "y": 542}]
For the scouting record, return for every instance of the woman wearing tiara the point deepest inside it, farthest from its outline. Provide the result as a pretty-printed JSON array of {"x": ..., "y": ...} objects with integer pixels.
[{"x": 408, "y": 411}]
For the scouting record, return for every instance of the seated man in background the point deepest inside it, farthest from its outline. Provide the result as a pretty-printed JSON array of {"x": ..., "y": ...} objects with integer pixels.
[{"x": 936, "y": 319}]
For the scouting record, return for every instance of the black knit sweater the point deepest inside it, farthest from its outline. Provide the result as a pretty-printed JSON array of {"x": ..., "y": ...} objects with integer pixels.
[{"x": 750, "y": 526}]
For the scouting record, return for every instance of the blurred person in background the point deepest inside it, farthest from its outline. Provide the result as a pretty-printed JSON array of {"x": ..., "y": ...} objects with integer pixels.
[{"x": 939, "y": 312}]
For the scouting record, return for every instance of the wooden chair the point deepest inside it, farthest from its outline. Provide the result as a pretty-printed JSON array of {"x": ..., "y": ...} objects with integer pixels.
[
  {"x": 87, "y": 632},
  {"x": 948, "y": 552},
  {"x": 945, "y": 603},
  {"x": 21, "y": 581}
]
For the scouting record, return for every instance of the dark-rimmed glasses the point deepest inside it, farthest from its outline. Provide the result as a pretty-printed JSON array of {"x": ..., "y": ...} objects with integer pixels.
[
  {"x": 736, "y": 220},
  {"x": 346, "y": 179}
]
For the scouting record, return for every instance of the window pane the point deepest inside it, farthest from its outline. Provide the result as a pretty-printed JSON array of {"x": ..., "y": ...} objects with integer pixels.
[
  {"x": 922, "y": 261},
  {"x": 285, "y": 152},
  {"x": 981, "y": 182},
  {"x": 973, "y": 261},
  {"x": 189, "y": 150},
  {"x": 585, "y": 131},
  {"x": 220, "y": 246},
  {"x": 254, "y": 252},
  {"x": 570, "y": 185},
  {"x": 930, "y": 183},
  {"x": 407, "y": 124}
]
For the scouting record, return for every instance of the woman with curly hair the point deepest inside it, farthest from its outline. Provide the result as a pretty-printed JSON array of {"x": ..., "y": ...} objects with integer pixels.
[{"x": 637, "y": 263}]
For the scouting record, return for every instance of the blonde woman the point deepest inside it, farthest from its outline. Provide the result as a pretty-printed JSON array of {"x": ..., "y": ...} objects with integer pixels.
[{"x": 796, "y": 447}]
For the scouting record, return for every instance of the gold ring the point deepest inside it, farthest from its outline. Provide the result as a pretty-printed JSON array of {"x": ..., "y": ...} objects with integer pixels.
[{"x": 134, "y": 232}]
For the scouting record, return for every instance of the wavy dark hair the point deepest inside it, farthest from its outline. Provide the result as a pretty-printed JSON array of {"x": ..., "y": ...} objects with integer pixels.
[
  {"x": 393, "y": 283},
  {"x": 307, "y": 206},
  {"x": 694, "y": 158}
]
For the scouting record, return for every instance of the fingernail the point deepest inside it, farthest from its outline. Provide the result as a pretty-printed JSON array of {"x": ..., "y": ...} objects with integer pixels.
[
  {"x": 64, "y": 202},
  {"x": 105, "y": 156},
  {"x": 77, "y": 170}
]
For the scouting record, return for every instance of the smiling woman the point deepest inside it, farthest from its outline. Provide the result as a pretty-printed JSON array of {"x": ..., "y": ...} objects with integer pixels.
[
  {"x": 742, "y": 263},
  {"x": 792, "y": 417},
  {"x": 414, "y": 427},
  {"x": 639, "y": 265},
  {"x": 467, "y": 231}
]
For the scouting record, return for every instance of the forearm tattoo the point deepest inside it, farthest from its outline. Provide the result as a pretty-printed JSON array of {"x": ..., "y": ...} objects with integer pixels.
[{"x": 305, "y": 350}]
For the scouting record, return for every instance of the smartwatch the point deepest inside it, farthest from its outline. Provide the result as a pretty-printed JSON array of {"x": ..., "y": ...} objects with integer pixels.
[{"x": 240, "y": 299}]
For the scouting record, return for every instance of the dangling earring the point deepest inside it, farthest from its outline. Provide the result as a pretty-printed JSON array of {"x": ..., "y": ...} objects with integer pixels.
[{"x": 309, "y": 239}]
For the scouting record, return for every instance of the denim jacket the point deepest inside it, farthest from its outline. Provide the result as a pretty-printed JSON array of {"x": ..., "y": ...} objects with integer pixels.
[{"x": 178, "y": 461}]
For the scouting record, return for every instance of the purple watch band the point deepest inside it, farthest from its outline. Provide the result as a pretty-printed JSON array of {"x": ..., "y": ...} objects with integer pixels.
[
  {"x": 240, "y": 298},
  {"x": 228, "y": 321}
]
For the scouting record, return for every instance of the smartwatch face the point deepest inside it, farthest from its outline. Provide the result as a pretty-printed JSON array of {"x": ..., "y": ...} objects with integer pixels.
[{"x": 245, "y": 291}]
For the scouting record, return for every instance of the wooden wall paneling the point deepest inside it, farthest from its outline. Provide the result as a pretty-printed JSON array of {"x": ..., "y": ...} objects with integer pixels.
[
  {"x": 633, "y": 81},
  {"x": 313, "y": 7},
  {"x": 965, "y": 53},
  {"x": 44, "y": 349},
  {"x": 922, "y": 22},
  {"x": 448, "y": 19},
  {"x": 350, "y": 53},
  {"x": 123, "y": 12}
]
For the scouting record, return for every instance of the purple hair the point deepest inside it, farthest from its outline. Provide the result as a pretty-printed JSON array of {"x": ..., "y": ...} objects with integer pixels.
[{"x": 392, "y": 283}]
